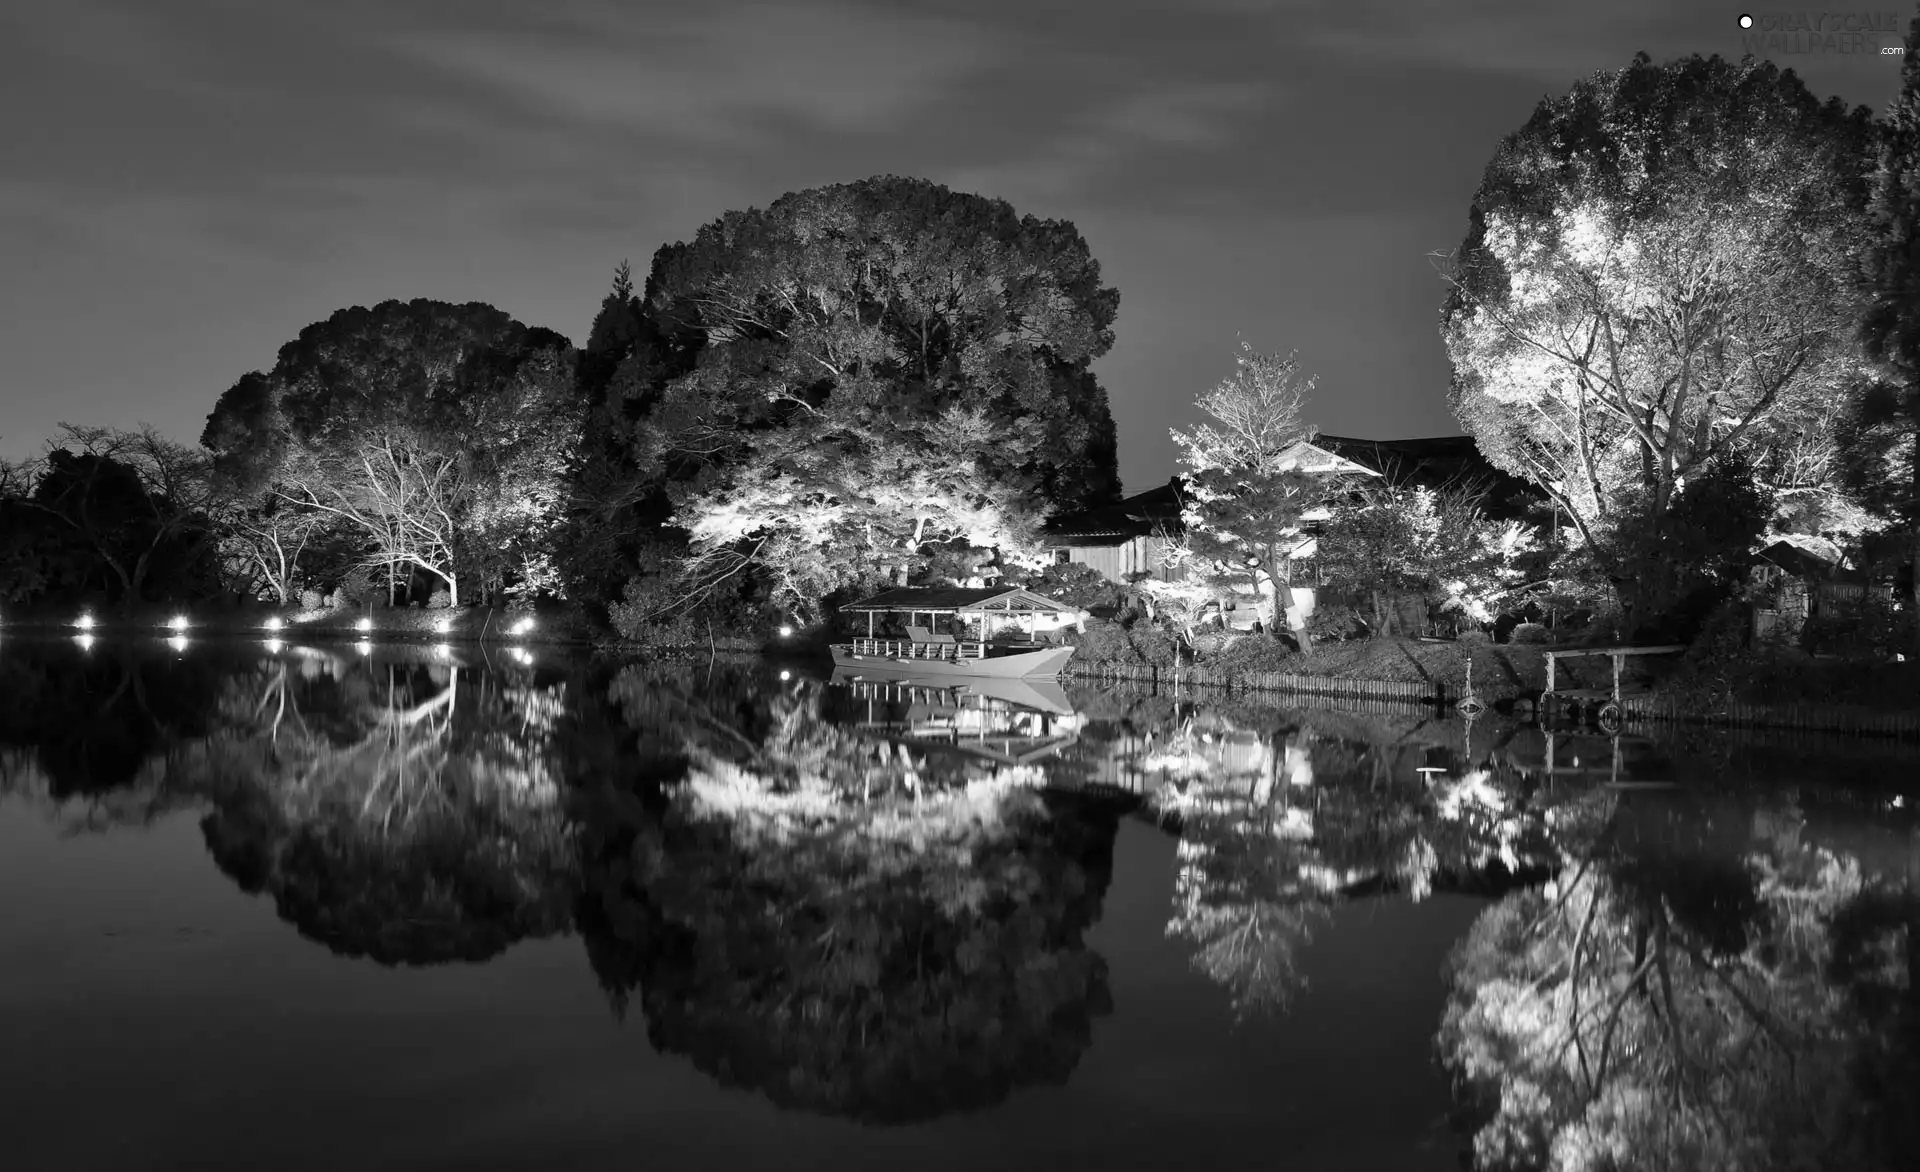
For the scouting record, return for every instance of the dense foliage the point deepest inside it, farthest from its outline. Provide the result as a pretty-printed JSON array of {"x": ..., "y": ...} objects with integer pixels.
[
  {"x": 434, "y": 437},
  {"x": 1659, "y": 274}
]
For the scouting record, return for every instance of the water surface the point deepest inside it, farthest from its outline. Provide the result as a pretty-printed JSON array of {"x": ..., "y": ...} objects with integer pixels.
[{"x": 402, "y": 908}]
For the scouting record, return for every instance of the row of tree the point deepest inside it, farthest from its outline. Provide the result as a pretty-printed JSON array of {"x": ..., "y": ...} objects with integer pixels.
[{"x": 815, "y": 396}]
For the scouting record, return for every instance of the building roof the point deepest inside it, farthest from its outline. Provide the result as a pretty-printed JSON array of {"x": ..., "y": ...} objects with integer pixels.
[
  {"x": 1439, "y": 462},
  {"x": 957, "y": 599},
  {"x": 1305, "y": 456}
]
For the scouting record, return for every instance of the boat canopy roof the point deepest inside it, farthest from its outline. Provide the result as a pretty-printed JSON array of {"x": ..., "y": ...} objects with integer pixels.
[{"x": 959, "y": 600}]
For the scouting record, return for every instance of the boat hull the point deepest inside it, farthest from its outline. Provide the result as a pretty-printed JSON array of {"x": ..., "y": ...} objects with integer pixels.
[{"x": 1045, "y": 663}]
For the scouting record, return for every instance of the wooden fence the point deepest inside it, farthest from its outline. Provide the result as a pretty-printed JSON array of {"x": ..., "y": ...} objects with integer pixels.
[
  {"x": 1397, "y": 692},
  {"x": 1806, "y": 718}
]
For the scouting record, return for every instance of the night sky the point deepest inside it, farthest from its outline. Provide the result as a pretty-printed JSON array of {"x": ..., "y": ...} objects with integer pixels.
[{"x": 185, "y": 184}]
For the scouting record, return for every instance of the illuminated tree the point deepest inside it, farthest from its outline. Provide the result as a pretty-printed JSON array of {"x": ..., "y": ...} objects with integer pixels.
[
  {"x": 440, "y": 434},
  {"x": 1884, "y": 423},
  {"x": 1437, "y": 543},
  {"x": 832, "y": 502},
  {"x": 1658, "y": 274},
  {"x": 1244, "y": 499}
]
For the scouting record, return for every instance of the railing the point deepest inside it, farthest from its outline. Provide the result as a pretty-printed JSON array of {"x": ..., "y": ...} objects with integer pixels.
[{"x": 904, "y": 649}]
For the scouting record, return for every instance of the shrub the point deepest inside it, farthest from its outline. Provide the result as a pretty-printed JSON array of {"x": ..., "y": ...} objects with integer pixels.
[
  {"x": 440, "y": 599},
  {"x": 1531, "y": 633},
  {"x": 311, "y": 599},
  {"x": 1335, "y": 623}
]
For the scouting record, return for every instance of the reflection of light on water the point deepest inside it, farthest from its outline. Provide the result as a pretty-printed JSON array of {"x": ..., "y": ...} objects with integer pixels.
[
  {"x": 85, "y": 641},
  {"x": 178, "y": 642},
  {"x": 523, "y": 656},
  {"x": 274, "y": 624},
  {"x": 274, "y": 646},
  {"x": 364, "y": 647}
]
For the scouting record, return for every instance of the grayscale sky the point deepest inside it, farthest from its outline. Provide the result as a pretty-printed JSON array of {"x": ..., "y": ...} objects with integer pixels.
[{"x": 185, "y": 184}]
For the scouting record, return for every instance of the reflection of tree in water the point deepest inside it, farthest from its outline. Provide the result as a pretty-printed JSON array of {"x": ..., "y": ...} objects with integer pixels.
[
  {"x": 87, "y": 729},
  {"x": 405, "y": 814},
  {"x": 1279, "y": 821},
  {"x": 1702, "y": 988},
  {"x": 857, "y": 931}
]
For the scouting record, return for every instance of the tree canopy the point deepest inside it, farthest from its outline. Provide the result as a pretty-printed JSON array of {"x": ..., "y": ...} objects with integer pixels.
[
  {"x": 440, "y": 434},
  {"x": 878, "y": 367},
  {"x": 1659, "y": 271}
]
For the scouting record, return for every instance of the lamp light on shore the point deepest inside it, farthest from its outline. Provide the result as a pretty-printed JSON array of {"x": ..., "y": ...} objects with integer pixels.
[
  {"x": 177, "y": 623},
  {"x": 524, "y": 656},
  {"x": 786, "y": 632},
  {"x": 363, "y": 625},
  {"x": 442, "y": 626},
  {"x": 786, "y": 675},
  {"x": 274, "y": 623},
  {"x": 521, "y": 627},
  {"x": 84, "y": 622}
]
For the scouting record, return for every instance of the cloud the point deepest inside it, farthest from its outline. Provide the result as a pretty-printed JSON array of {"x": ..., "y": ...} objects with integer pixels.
[{"x": 723, "y": 74}]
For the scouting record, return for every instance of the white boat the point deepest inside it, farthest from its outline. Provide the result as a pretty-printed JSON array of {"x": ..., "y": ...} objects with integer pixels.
[{"x": 975, "y": 642}]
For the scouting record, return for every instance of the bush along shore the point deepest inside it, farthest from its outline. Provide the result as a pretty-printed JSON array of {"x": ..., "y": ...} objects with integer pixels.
[{"x": 1733, "y": 686}]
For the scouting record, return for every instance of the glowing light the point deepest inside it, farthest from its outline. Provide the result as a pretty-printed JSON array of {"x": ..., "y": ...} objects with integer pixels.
[
  {"x": 85, "y": 641},
  {"x": 177, "y": 622},
  {"x": 443, "y": 625},
  {"x": 363, "y": 625},
  {"x": 178, "y": 642},
  {"x": 523, "y": 655},
  {"x": 84, "y": 622},
  {"x": 786, "y": 632},
  {"x": 521, "y": 627},
  {"x": 786, "y": 675},
  {"x": 365, "y": 647},
  {"x": 443, "y": 651},
  {"x": 274, "y": 646},
  {"x": 274, "y": 623}
]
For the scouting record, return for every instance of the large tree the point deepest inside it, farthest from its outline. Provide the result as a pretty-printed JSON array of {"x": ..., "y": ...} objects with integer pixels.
[
  {"x": 867, "y": 316},
  {"x": 1884, "y": 455},
  {"x": 439, "y": 433},
  {"x": 1658, "y": 272}
]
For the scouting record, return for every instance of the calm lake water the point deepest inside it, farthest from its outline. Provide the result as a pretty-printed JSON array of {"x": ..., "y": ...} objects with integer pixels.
[{"x": 397, "y": 908}]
